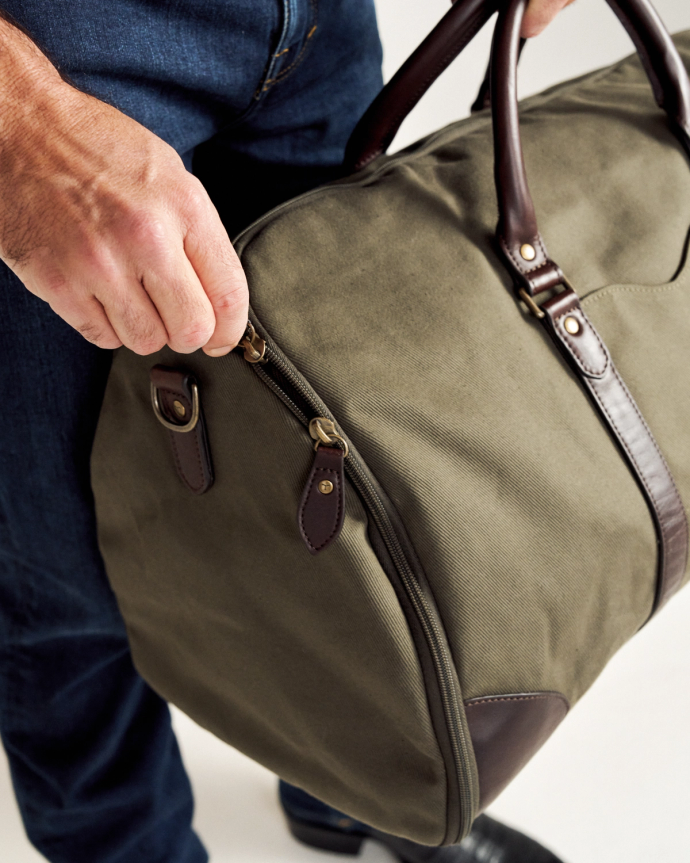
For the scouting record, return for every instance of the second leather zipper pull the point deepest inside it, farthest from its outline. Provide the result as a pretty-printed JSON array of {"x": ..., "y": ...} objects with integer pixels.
[{"x": 322, "y": 507}]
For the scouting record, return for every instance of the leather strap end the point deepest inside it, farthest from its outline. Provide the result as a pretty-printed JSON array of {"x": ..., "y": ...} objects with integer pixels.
[
  {"x": 535, "y": 274},
  {"x": 578, "y": 340},
  {"x": 322, "y": 507},
  {"x": 191, "y": 453}
]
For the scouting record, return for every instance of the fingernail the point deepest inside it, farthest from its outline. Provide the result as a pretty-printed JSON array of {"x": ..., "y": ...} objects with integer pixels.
[{"x": 218, "y": 352}]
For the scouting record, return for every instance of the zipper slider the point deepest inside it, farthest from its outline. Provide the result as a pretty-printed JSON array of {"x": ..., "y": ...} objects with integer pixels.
[
  {"x": 322, "y": 431},
  {"x": 254, "y": 346},
  {"x": 322, "y": 507}
]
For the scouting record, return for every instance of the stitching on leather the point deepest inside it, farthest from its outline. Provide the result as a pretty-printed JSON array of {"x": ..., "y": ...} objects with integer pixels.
[
  {"x": 540, "y": 243},
  {"x": 679, "y": 499},
  {"x": 307, "y": 495},
  {"x": 178, "y": 461},
  {"x": 641, "y": 474},
  {"x": 573, "y": 347},
  {"x": 548, "y": 262},
  {"x": 176, "y": 455}
]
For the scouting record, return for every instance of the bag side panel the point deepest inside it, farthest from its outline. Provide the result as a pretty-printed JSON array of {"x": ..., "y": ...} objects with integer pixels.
[{"x": 306, "y": 664}]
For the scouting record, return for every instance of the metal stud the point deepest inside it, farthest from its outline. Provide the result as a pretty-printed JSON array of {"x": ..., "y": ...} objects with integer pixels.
[
  {"x": 528, "y": 252},
  {"x": 180, "y": 409},
  {"x": 572, "y": 325},
  {"x": 325, "y": 486}
]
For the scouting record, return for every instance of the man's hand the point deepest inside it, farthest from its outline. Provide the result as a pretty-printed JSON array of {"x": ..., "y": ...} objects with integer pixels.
[
  {"x": 539, "y": 14},
  {"x": 99, "y": 218}
]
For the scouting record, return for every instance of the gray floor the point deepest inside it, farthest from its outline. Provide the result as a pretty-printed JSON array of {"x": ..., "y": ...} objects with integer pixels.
[{"x": 613, "y": 785}]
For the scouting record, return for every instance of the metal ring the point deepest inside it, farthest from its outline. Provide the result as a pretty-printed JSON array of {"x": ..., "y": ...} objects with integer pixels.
[
  {"x": 345, "y": 446},
  {"x": 191, "y": 425}
]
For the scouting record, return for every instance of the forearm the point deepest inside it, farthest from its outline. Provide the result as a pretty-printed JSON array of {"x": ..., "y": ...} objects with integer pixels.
[{"x": 24, "y": 68}]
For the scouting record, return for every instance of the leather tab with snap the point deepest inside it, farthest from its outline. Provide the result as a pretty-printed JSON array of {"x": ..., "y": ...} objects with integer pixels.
[
  {"x": 176, "y": 405},
  {"x": 322, "y": 507}
]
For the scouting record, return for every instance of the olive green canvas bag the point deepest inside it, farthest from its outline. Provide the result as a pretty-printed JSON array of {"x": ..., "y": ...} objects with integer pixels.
[{"x": 385, "y": 545}]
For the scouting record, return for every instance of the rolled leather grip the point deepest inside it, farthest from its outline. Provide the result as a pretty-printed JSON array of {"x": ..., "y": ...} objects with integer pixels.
[
  {"x": 517, "y": 223},
  {"x": 375, "y": 131}
]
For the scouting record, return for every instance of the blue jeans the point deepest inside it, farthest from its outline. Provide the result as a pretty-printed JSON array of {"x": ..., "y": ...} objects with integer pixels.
[{"x": 259, "y": 97}]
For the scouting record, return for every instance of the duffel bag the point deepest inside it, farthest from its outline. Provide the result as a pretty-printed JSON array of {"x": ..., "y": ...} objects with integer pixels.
[{"x": 385, "y": 545}]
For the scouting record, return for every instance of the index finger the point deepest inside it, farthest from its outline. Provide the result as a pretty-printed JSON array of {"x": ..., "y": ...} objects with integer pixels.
[{"x": 218, "y": 268}]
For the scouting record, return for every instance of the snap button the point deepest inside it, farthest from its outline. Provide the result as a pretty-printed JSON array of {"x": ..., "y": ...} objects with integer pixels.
[{"x": 572, "y": 325}]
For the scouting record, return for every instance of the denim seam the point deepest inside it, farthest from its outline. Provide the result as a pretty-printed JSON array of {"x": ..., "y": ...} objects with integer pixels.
[
  {"x": 278, "y": 52},
  {"x": 268, "y": 69},
  {"x": 280, "y": 49},
  {"x": 269, "y": 83}
]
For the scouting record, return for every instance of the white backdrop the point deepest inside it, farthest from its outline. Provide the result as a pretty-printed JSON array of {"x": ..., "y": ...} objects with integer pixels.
[
  {"x": 613, "y": 785},
  {"x": 585, "y": 36}
]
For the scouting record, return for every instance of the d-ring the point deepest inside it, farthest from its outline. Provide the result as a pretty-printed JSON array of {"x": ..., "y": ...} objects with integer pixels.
[{"x": 172, "y": 426}]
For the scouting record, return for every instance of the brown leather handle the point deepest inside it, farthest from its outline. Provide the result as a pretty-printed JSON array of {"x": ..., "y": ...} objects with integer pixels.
[
  {"x": 382, "y": 119},
  {"x": 377, "y": 128},
  {"x": 562, "y": 315},
  {"x": 518, "y": 234}
]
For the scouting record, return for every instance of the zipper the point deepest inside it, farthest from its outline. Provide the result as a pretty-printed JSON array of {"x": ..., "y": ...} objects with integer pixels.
[{"x": 294, "y": 391}]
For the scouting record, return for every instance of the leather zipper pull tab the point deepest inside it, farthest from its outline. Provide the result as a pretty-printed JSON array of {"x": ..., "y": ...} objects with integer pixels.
[{"x": 322, "y": 508}]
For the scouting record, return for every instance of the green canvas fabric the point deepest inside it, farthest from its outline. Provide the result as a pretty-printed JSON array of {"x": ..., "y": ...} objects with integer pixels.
[{"x": 386, "y": 292}]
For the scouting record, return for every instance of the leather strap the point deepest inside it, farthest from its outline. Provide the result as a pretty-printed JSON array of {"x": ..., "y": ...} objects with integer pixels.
[
  {"x": 517, "y": 229},
  {"x": 377, "y": 128},
  {"x": 322, "y": 507},
  {"x": 190, "y": 450},
  {"x": 562, "y": 315},
  {"x": 590, "y": 360}
]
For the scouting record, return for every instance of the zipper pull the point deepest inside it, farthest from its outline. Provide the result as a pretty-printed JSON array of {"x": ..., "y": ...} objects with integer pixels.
[
  {"x": 254, "y": 346},
  {"x": 322, "y": 507}
]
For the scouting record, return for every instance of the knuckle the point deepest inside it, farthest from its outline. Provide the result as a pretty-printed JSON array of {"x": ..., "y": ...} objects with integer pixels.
[
  {"x": 92, "y": 332},
  {"x": 192, "y": 337},
  {"x": 144, "y": 345},
  {"x": 145, "y": 333},
  {"x": 230, "y": 300},
  {"x": 148, "y": 231},
  {"x": 54, "y": 284},
  {"x": 196, "y": 196}
]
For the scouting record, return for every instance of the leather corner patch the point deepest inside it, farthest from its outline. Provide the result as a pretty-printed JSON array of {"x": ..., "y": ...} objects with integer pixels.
[{"x": 506, "y": 731}]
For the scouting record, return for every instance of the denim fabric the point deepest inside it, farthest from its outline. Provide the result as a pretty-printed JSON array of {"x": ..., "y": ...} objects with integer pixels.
[{"x": 274, "y": 87}]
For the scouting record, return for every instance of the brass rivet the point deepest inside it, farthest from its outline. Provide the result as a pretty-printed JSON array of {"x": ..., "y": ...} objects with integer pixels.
[
  {"x": 325, "y": 486},
  {"x": 180, "y": 409},
  {"x": 572, "y": 325},
  {"x": 528, "y": 252}
]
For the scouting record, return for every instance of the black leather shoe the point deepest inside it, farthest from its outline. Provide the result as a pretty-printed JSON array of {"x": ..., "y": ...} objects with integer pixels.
[{"x": 489, "y": 842}]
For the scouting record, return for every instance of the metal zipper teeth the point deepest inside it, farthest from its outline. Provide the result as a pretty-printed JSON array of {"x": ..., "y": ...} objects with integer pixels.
[
  {"x": 434, "y": 638},
  {"x": 435, "y": 641},
  {"x": 282, "y": 395}
]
